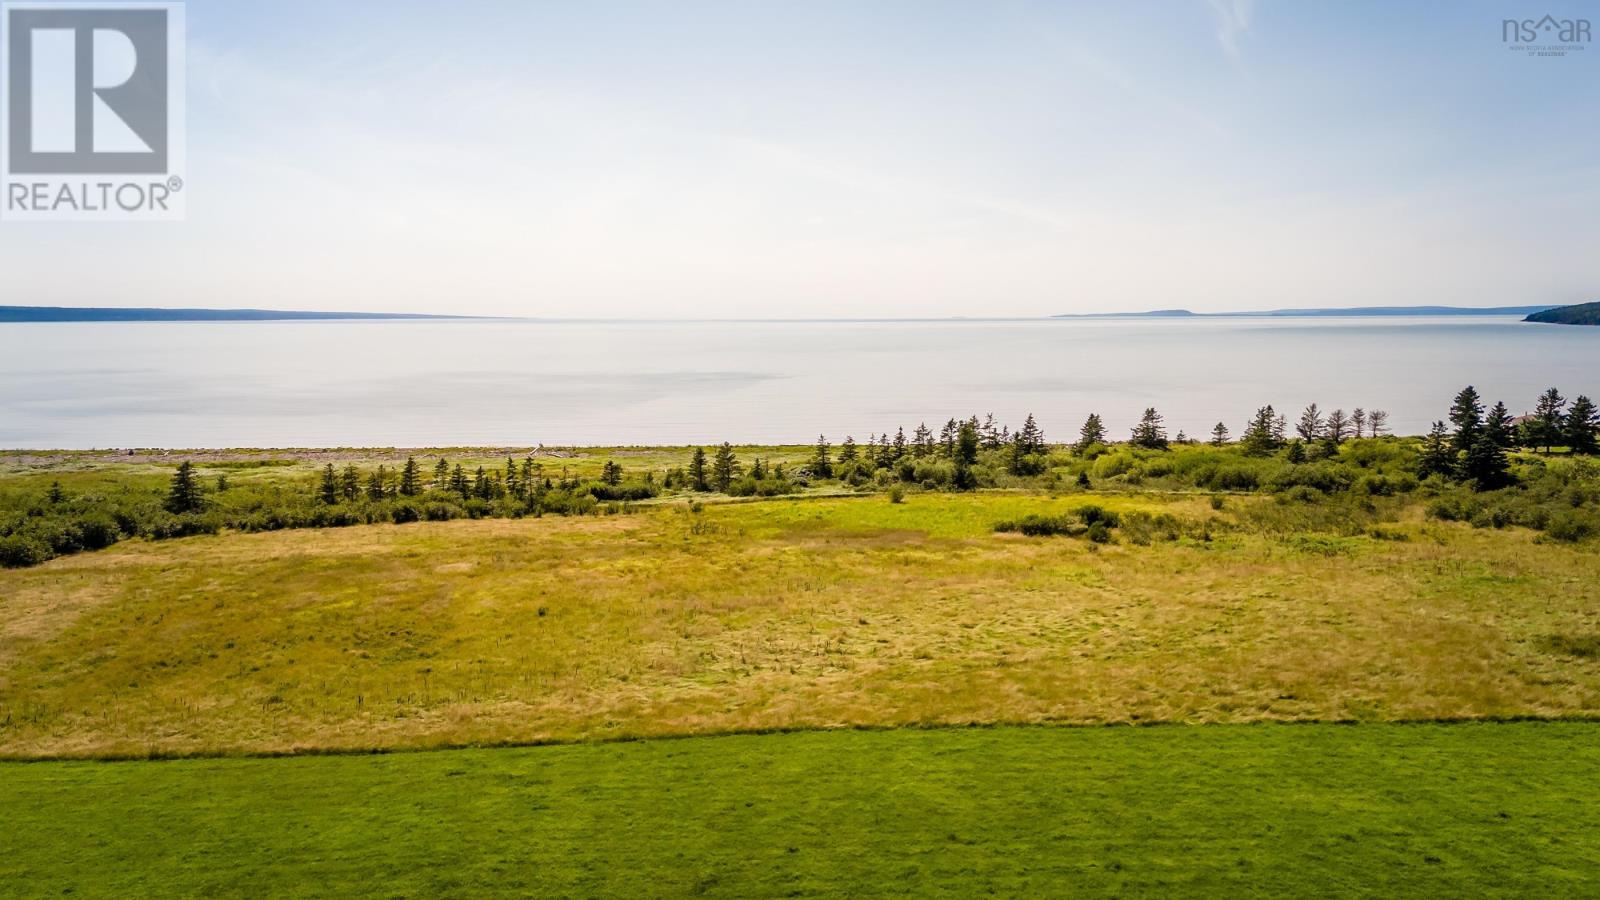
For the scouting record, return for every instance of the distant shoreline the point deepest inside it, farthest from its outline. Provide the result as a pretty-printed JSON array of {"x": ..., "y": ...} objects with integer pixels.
[
  {"x": 1350, "y": 311},
  {"x": 17, "y": 314}
]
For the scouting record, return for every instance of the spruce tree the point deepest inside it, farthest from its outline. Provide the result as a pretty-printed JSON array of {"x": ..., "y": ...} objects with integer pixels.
[
  {"x": 1260, "y": 436},
  {"x": 847, "y": 451},
  {"x": 1485, "y": 464},
  {"x": 513, "y": 479},
  {"x": 328, "y": 490},
  {"x": 411, "y": 478},
  {"x": 899, "y": 445},
  {"x": 1093, "y": 432},
  {"x": 459, "y": 483},
  {"x": 947, "y": 438},
  {"x": 1150, "y": 434},
  {"x": 1337, "y": 427},
  {"x": 966, "y": 454},
  {"x": 1378, "y": 423},
  {"x": 1358, "y": 423},
  {"x": 821, "y": 466},
  {"x": 611, "y": 473},
  {"x": 56, "y": 494},
  {"x": 1466, "y": 414},
  {"x": 480, "y": 483},
  {"x": 1581, "y": 426},
  {"x": 350, "y": 482},
  {"x": 441, "y": 475},
  {"x": 1497, "y": 425},
  {"x": 1031, "y": 437},
  {"x": 1296, "y": 453},
  {"x": 922, "y": 441},
  {"x": 1549, "y": 425},
  {"x": 1219, "y": 435},
  {"x": 1310, "y": 425},
  {"x": 184, "y": 494},
  {"x": 697, "y": 470},
  {"x": 377, "y": 483},
  {"x": 1437, "y": 457},
  {"x": 724, "y": 468}
]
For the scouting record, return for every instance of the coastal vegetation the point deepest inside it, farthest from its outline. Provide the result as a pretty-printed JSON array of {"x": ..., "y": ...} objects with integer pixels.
[{"x": 1580, "y": 314}]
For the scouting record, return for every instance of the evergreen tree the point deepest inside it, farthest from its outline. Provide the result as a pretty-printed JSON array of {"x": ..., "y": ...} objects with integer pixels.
[
  {"x": 697, "y": 471},
  {"x": 1150, "y": 433},
  {"x": 847, "y": 451},
  {"x": 480, "y": 484},
  {"x": 513, "y": 480},
  {"x": 724, "y": 468},
  {"x": 1297, "y": 452},
  {"x": 328, "y": 491},
  {"x": 1032, "y": 437},
  {"x": 820, "y": 466},
  {"x": 989, "y": 433},
  {"x": 1358, "y": 423},
  {"x": 966, "y": 454},
  {"x": 1437, "y": 457},
  {"x": 526, "y": 482},
  {"x": 56, "y": 495},
  {"x": 222, "y": 483},
  {"x": 1260, "y": 436},
  {"x": 458, "y": 481},
  {"x": 922, "y": 441},
  {"x": 1280, "y": 429},
  {"x": 1378, "y": 423},
  {"x": 947, "y": 438},
  {"x": 378, "y": 484},
  {"x": 1549, "y": 424},
  {"x": 1219, "y": 435},
  {"x": 1497, "y": 426},
  {"x": 1310, "y": 425},
  {"x": 611, "y": 473},
  {"x": 441, "y": 475},
  {"x": 885, "y": 453},
  {"x": 1092, "y": 432},
  {"x": 1582, "y": 424},
  {"x": 899, "y": 446},
  {"x": 411, "y": 478},
  {"x": 758, "y": 470},
  {"x": 350, "y": 482},
  {"x": 1485, "y": 464},
  {"x": 184, "y": 494},
  {"x": 1337, "y": 427},
  {"x": 1083, "y": 481},
  {"x": 1466, "y": 414}
]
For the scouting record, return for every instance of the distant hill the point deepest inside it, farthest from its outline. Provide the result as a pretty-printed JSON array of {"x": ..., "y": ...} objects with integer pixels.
[
  {"x": 1317, "y": 313},
  {"x": 1581, "y": 314},
  {"x": 111, "y": 314}
]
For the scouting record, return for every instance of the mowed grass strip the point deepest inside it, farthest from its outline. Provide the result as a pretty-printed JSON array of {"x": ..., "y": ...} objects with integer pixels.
[
  {"x": 1312, "y": 810},
  {"x": 777, "y": 615}
]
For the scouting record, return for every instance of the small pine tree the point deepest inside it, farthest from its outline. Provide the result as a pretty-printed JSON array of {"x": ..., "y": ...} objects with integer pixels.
[
  {"x": 56, "y": 495},
  {"x": 1497, "y": 426},
  {"x": 184, "y": 494},
  {"x": 1260, "y": 436},
  {"x": 724, "y": 467},
  {"x": 820, "y": 465},
  {"x": 1548, "y": 427},
  {"x": 480, "y": 484},
  {"x": 1310, "y": 425},
  {"x": 611, "y": 473},
  {"x": 378, "y": 483},
  {"x": 947, "y": 438},
  {"x": 1582, "y": 424},
  {"x": 459, "y": 483},
  {"x": 1092, "y": 432},
  {"x": 328, "y": 490},
  {"x": 899, "y": 451},
  {"x": 350, "y": 483},
  {"x": 847, "y": 451},
  {"x": 222, "y": 483},
  {"x": 922, "y": 441},
  {"x": 1219, "y": 435},
  {"x": 1150, "y": 434},
  {"x": 1466, "y": 414},
  {"x": 1031, "y": 437},
  {"x": 1083, "y": 481},
  {"x": 697, "y": 471},
  {"x": 1337, "y": 427},
  {"x": 966, "y": 454},
  {"x": 1437, "y": 457},
  {"x": 441, "y": 474},
  {"x": 1296, "y": 454},
  {"x": 411, "y": 478},
  {"x": 1378, "y": 423},
  {"x": 1358, "y": 423},
  {"x": 1485, "y": 464}
]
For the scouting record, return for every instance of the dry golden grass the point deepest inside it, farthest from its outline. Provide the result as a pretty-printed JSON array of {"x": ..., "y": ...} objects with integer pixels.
[{"x": 780, "y": 614}]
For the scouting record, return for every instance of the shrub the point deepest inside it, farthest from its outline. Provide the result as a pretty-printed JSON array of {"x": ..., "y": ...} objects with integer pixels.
[{"x": 17, "y": 551}]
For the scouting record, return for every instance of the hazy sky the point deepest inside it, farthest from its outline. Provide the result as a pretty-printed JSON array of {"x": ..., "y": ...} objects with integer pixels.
[{"x": 749, "y": 159}]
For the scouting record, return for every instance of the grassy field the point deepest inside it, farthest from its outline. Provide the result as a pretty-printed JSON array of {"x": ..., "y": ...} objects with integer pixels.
[
  {"x": 779, "y": 615},
  {"x": 1314, "y": 810}
]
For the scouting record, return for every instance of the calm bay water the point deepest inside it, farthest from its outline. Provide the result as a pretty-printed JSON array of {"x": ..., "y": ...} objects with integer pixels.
[{"x": 428, "y": 383}]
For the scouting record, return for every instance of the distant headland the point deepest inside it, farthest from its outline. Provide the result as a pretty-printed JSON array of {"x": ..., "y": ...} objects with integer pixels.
[
  {"x": 1317, "y": 313},
  {"x": 131, "y": 314},
  {"x": 1581, "y": 314}
]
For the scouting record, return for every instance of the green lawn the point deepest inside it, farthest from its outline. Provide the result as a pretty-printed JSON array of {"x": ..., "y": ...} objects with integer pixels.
[{"x": 1386, "y": 810}]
